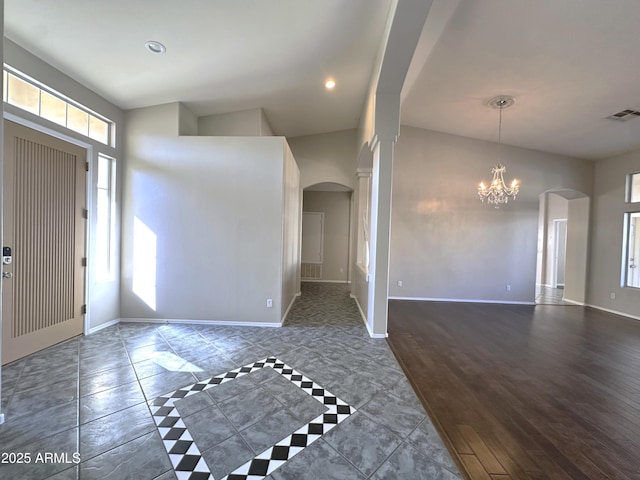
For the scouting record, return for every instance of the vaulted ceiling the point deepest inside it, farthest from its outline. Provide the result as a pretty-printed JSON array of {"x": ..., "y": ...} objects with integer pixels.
[
  {"x": 222, "y": 55},
  {"x": 569, "y": 64}
]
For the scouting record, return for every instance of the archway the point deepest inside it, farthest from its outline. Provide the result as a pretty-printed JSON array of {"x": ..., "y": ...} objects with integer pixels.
[
  {"x": 563, "y": 240},
  {"x": 327, "y": 233}
]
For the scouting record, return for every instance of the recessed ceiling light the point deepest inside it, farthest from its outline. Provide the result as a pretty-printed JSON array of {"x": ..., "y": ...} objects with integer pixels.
[
  {"x": 155, "y": 47},
  {"x": 330, "y": 84}
]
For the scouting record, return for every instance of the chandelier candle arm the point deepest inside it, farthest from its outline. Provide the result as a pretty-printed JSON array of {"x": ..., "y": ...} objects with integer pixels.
[{"x": 498, "y": 192}]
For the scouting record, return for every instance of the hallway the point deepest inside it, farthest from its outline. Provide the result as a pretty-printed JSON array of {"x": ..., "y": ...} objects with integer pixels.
[
  {"x": 92, "y": 395},
  {"x": 550, "y": 296}
]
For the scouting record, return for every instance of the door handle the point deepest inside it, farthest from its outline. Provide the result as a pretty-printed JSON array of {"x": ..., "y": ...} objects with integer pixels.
[{"x": 7, "y": 275}]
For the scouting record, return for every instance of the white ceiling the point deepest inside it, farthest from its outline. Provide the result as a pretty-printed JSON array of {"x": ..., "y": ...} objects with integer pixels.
[
  {"x": 568, "y": 63},
  {"x": 222, "y": 55}
]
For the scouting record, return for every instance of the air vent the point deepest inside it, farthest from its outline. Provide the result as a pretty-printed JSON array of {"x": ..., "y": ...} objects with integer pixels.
[
  {"x": 625, "y": 115},
  {"x": 311, "y": 271}
]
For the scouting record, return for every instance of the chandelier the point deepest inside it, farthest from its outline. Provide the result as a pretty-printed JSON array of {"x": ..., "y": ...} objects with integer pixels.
[{"x": 498, "y": 192}]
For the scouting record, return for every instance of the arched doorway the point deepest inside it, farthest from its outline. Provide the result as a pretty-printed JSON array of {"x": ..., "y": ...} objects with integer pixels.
[
  {"x": 563, "y": 236},
  {"x": 326, "y": 233}
]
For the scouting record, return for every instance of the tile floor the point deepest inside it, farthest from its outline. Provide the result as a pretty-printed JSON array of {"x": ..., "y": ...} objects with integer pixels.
[
  {"x": 550, "y": 296},
  {"x": 93, "y": 396}
]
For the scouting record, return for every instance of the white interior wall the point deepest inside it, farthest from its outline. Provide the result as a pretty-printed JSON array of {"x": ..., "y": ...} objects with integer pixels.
[
  {"x": 290, "y": 232},
  {"x": 327, "y": 157},
  {"x": 576, "y": 265},
  {"x": 215, "y": 206},
  {"x": 445, "y": 243},
  {"x": 187, "y": 121},
  {"x": 265, "y": 126},
  {"x": 103, "y": 296},
  {"x": 561, "y": 251},
  {"x": 605, "y": 256},
  {"x": 336, "y": 207},
  {"x": 557, "y": 209},
  {"x": 251, "y": 122},
  {"x": 542, "y": 234},
  {"x": 361, "y": 214}
]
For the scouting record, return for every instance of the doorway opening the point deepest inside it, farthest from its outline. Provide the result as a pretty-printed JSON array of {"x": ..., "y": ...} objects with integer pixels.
[
  {"x": 563, "y": 226},
  {"x": 326, "y": 233}
]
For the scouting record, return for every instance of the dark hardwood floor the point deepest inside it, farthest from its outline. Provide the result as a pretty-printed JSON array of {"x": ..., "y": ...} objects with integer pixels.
[{"x": 519, "y": 392}]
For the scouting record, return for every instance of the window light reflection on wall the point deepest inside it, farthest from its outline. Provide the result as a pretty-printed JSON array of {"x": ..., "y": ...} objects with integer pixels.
[{"x": 144, "y": 263}]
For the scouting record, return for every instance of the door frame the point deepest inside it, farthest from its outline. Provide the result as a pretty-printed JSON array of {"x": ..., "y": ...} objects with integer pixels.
[{"x": 88, "y": 182}]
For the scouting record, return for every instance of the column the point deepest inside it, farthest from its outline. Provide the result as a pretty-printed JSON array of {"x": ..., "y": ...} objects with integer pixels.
[{"x": 380, "y": 231}]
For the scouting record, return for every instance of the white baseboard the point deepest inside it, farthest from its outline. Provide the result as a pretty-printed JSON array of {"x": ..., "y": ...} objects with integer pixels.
[
  {"x": 102, "y": 326},
  {"x": 615, "y": 312},
  {"x": 574, "y": 302},
  {"x": 187, "y": 321},
  {"x": 377, "y": 335},
  {"x": 364, "y": 319},
  {"x": 287, "y": 310},
  {"x": 362, "y": 315},
  {"x": 461, "y": 300}
]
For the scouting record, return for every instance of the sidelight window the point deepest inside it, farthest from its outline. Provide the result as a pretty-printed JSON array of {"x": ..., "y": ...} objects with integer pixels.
[
  {"x": 631, "y": 250},
  {"x": 105, "y": 218},
  {"x": 633, "y": 188},
  {"x": 631, "y": 239}
]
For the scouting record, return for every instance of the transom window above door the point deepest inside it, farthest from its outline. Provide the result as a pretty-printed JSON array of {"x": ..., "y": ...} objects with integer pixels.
[{"x": 30, "y": 95}]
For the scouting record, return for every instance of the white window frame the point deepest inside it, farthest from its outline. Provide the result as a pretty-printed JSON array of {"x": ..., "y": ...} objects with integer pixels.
[
  {"x": 630, "y": 190},
  {"x": 9, "y": 70},
  {"x": 626, "y": 257},
  {"x": 106, "y": 272}
]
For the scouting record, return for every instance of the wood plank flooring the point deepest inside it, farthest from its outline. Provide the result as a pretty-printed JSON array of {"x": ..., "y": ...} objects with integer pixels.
[{"x": 523, "y": 392}]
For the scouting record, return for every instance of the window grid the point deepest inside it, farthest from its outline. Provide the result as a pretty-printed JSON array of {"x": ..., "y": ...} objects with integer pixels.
[{"x": 76, "y": 117}]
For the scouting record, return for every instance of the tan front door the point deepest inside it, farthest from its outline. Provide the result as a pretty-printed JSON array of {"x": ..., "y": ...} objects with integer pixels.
[{"x": 44, "y": 226}]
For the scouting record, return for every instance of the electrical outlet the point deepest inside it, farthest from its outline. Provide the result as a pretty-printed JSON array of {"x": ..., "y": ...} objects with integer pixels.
[
  {"x": 269, "y": 303},
  {"x": 613, "y": 296},
  {"x": 508, "y": 288},
  {"x": 400, "y": 283}
]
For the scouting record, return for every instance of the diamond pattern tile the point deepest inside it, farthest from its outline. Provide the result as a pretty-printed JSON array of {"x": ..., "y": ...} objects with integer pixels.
[{"x": 183, "y": 451}]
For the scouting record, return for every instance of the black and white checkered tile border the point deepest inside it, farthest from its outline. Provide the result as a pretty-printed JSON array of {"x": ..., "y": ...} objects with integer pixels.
[{"x": 184, "y": 454}]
